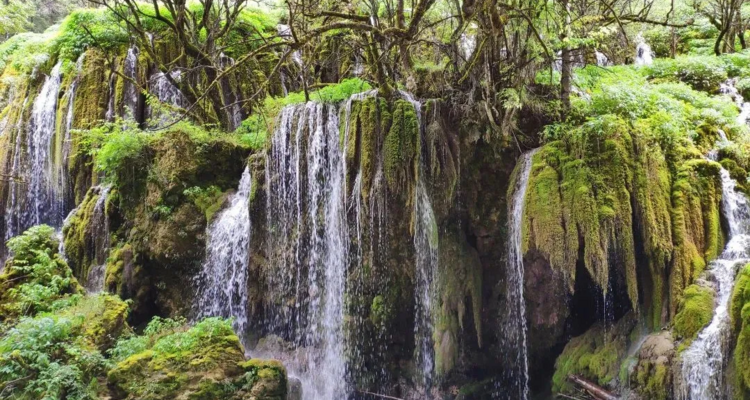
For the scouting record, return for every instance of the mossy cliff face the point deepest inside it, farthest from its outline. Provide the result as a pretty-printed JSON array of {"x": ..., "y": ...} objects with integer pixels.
[
  {"x": 159, "y": 227},
  {"x": 77, "y": 346},
  {"x": 83, "y": 84},
  {"x": 740, "y": 329},
  {"x": 386, "y": 154},
  {"x": 593, "y": 196}
]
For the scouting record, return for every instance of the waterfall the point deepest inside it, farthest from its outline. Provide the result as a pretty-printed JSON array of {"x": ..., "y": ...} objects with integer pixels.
[
  {"x": 515, "y": 328},
  {"x": 306, "y": 209},
  {"x": 130, "y": 91},
  {"x": 467, "y": 44},
  {"x": 426, "y": 250},
  {"x": 37, "y": 198},
  {"x": 318, "y": 236},
  {"x": 643, "y": 53},
  {"x": 167, "y": 93},
  {"x": 222, "y": 281},
  {"x": 601, "y": 59},
  {"x": 703, "y": 361},
  {"x": 101, "y": 241},
  {"x": 729, "y": 88}
]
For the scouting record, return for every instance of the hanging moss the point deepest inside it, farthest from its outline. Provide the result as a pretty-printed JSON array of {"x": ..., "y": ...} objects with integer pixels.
[
  {"x": 579, "y": 198},
  {"x": 652, "y": 191},
  {"x": 460, "y": 280},
  {"x": 696, "y": 223},
  {"x": 401, "y": 146}
]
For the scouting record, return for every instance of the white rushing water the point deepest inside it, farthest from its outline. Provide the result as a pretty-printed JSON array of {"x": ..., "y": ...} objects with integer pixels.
[
  {"x": 515, "y": 328},
  {"x": 312, "y": 216},
  {"x": 306, "y": 204},
  {"x": 729, "y": 88},
  {"x": 703, "y": 362},
  {"x": 167, "y": 93},
  {"x": 37, "y": 199},
  {"x": 426, "y": 251},
  {"x": 101, "y": 241},
  {"x": 601, "y": 59},
  {"x": 643, "y": 53},
  {"x": 130, "y": 90},
  {"x": 222, "y": 281}
]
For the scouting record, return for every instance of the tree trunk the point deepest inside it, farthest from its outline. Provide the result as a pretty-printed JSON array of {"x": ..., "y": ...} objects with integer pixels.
[
  {"x": 567, "y": 62},
  {"x": 719, "y": 40},
  {"x": 591, "y": 388}
]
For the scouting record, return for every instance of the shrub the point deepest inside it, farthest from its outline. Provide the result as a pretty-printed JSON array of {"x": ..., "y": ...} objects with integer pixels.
[
  {"x": 36, "y": 278},
  {"x": 86, "y": 28},
  {"x": 700, "y": 72},
  {"x": 46, "y": 358}
]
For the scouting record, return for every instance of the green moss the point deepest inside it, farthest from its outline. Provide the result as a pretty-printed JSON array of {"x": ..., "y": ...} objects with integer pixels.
[
  {"x": 78, "y": 236},
  {"x": 579, "y": 203},
  {"x": 596, "y": 355},
  {"x": 459, "y": 301},
  {"x": 205, "y": 361},
  {"x": 401, "y": 146},
  {"x": 696, "y": 223},
  {"x": 653, "y": 381},
  {"x": 695, "y": 311},
  {"x": 740, "y": 322},
  {"x": 103, "y": 318}
]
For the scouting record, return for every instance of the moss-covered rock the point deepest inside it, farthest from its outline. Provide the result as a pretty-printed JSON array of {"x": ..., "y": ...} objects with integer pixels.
[
  {"x": 652, "y": 377},
  {"x": 205, "y": 361},
  {"x": 36, "y": 277},
  {"x": 695, "y": 311},
  {"x": 596, "y": 355}
]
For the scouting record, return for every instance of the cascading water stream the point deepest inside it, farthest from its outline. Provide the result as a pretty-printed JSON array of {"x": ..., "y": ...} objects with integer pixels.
[
  {"x": 222, "y": 281},
  {"x": 307, "y": 205},
  {"x": 426, "y": 251},
  {"x": 101, "y": 241},
  {"x": 36, "y": 198},
  {"x": 515, "y": 327},
  {"x": 43, "y": 204},
  {"x": 703, "y": 361},
  {"x": 643, "y": 53},
  {"x": 130, "y": 91}
]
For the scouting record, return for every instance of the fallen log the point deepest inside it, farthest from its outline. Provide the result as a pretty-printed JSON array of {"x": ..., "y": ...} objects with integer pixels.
[
  {"x": 378, "y": 395},
  {"x": 591, "y": 388}
]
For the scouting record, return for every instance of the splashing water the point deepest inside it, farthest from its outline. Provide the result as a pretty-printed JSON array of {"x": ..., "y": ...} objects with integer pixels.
[
  {"x": 703, "y": 361},
  {"x": 222, "y": 281},
  {"x": 167, "y": 93},
  {"x": 426, "y": 248},
  {"x": 515, "y": 328}
]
